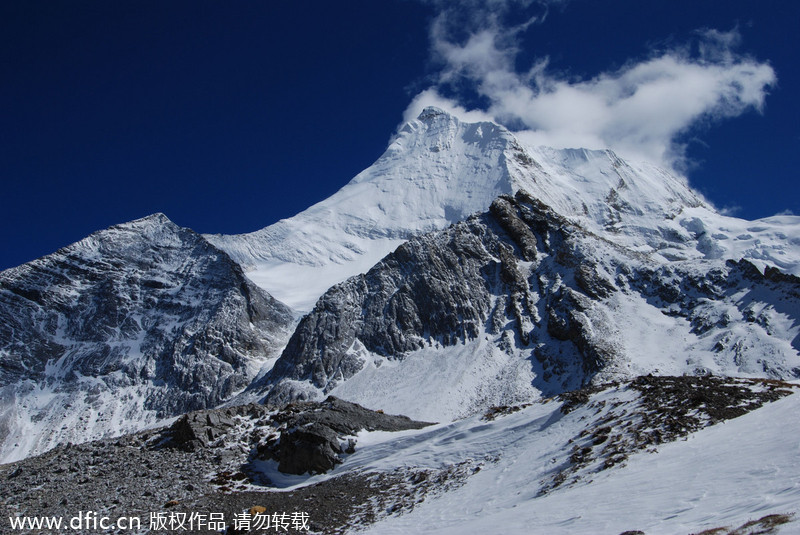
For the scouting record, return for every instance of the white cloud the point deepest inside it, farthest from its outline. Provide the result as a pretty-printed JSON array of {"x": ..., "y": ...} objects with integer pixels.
[{"x": 639, "y": 110}]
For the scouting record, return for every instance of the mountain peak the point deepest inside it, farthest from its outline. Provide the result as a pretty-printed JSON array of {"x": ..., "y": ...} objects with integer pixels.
[
  {"x": 147, "y": 314},
  {"x": 436, "y": 171},
  {"x": 150, "y": 226},
  {"x": 439, "y": 169},
  {"x": 431, "y": 112},
  {"x": 156, "y": 219}
]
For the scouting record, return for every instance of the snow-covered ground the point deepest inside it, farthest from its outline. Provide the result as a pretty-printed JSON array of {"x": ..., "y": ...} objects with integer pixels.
[
  {"x": 443, "y": 383},
  {"x": 724, "y": 475}
]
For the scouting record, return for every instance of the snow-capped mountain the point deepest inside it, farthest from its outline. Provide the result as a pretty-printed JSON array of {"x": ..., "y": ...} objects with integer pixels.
[
  {"x": 563, "y": 315},
  {"x": 435, "y": 172},
  {"x": 520, "y": 303},
  {"x": 438, "y": 170},
  {"x": 612, "y": 249},
  {"x": 132, "y": 325}
]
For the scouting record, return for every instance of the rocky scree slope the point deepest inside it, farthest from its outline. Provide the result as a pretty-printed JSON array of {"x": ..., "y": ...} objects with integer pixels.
[
  {"x": 213, "y": 460},
  {"x": 132, "y": 325},
  {"x": 544, "y": 305},
  {"x": 216, "y": 460}
]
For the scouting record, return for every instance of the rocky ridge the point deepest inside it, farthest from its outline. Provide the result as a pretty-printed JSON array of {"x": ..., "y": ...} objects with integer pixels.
[
  {"x": 529, "y": 283},
  {"x": 134, "y": 324}
]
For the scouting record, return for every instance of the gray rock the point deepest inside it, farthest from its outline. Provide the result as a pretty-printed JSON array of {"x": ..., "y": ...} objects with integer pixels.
[
  {"x": 525, "y": 272},
  {"x": 315, "y": 434},
  {"x": 135, "y": 323}
]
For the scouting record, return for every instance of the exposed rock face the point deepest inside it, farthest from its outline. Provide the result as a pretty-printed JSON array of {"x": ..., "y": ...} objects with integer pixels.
[
  {"x": 427, "y": 289},
  {"x": 533, "y": 282},
  {"x": 199, "y": 429},
  {"x": 307, "y": 437},
  {"x": 133, "y": 324},
  {"x": 313, "y": 436}
]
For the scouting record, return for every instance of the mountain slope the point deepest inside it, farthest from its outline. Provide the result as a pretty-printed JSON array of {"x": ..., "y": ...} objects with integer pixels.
[
  {"x": 565, "y": 334},
  {"x": 520, "y": 302},
  {"x": 132, "y": 325},
  {"x": 439, "y": 170},
  {"x": 716, "y": 478},
  {"x": 435, "y": 172}
]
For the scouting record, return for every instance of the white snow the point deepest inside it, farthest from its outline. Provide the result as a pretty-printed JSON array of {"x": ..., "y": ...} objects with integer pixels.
[
  {"x": 300, "y": 285},
  {"x": 438, "y": 170},
  {"x": 440, "y": 384},
  {"x": 38, "y": 418},
  {"x": 724, "y": 475}
]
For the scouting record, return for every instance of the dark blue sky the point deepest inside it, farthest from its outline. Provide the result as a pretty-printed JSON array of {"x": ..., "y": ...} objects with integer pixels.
[{"x": 228, "y": 116}]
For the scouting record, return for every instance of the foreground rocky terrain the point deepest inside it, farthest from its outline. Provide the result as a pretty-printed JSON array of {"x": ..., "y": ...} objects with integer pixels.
[
  {"x": 228, "y": 461},
  {"x": 211, "y": 461}
]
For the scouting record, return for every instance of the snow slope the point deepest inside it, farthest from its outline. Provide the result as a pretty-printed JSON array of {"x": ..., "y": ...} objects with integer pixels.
[
  {"x": 723, "y": 475},
  {"x": 438, "y": 170}
]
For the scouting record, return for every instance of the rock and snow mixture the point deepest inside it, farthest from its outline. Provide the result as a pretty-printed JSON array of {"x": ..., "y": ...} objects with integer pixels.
[
  {"x": 350, "y": 467},
  {"x": 602, "y": 350}
]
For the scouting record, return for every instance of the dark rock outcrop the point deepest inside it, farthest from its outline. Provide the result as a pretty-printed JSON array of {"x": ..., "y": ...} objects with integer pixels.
[
  {"x": 314, "y": 435},
  {"x": 305, "y": 437},
  {"x": 200, "y": 429}
]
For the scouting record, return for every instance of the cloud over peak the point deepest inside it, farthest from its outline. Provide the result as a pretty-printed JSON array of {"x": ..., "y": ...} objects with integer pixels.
[{"x": 640, "y": 110}]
